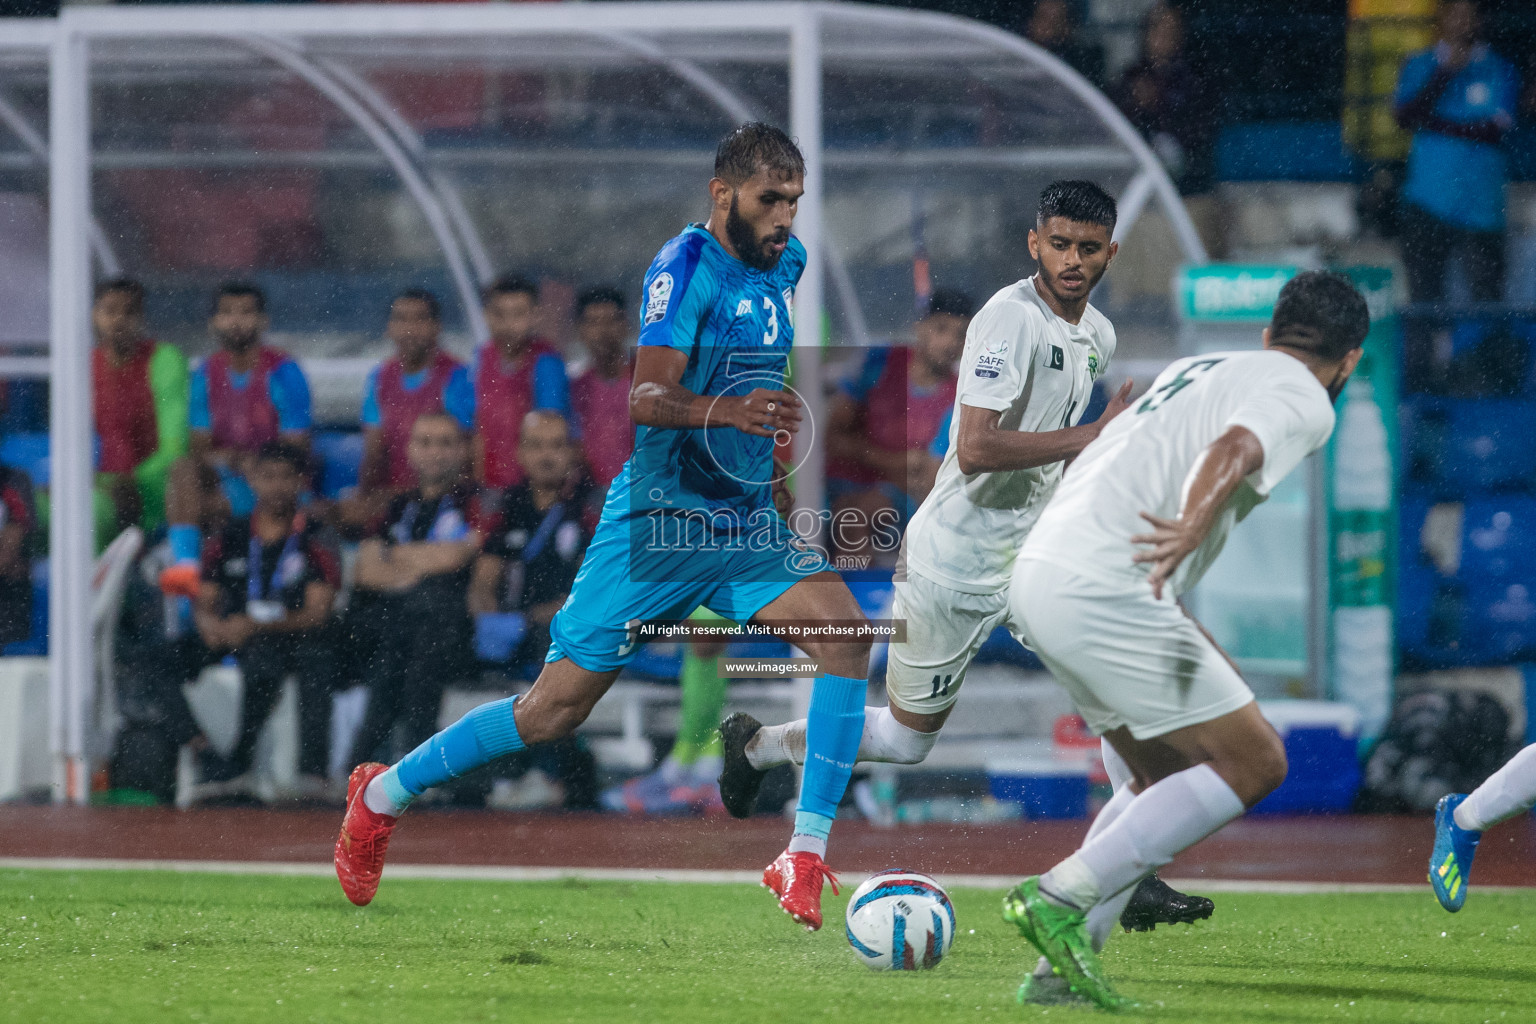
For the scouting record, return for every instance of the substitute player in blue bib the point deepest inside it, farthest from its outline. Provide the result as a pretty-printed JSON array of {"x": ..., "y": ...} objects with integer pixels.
[{"x": 691, "y": 520}]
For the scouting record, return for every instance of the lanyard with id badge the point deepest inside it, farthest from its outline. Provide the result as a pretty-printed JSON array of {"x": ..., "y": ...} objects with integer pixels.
[
  {"x": 448, "y": 524},
  {"x": 259, "y": 605}
]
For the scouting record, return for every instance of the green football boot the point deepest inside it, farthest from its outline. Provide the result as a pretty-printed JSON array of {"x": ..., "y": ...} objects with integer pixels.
[
  {"x": 1061, "y": 936},
  {"x": 1049, "y": 990}
]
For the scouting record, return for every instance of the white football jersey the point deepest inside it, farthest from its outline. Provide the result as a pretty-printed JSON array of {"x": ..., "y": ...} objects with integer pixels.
[
  {"x": 1037, "y": 371},
  {"x": 1144, "y": 461}
]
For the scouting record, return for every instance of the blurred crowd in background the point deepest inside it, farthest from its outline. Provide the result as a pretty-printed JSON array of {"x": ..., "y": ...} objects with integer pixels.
[{"x": 476, "y": 491}]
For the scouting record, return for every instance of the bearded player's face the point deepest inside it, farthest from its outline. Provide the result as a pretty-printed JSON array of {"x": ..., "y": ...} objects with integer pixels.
[
  {"x": 1072, "y": 255},
  {"x": 762, "y": 208}
]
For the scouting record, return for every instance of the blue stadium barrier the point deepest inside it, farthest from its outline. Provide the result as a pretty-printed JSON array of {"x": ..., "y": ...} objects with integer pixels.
[
  {"x": 1498, "y": 540},
  {"x": 1285, "y": 150},
  {"x": 341, "y": 457},
  {"x": 1484, "y": 614},
  {"x": 1487, "y": 445}
]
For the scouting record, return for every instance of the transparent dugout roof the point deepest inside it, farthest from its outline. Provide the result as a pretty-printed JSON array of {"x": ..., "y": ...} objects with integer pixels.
[{"x": 337, "y": 154}]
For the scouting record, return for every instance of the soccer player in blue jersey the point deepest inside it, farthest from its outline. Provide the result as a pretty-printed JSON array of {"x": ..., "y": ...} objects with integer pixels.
[{"x": 691, "y": 520}]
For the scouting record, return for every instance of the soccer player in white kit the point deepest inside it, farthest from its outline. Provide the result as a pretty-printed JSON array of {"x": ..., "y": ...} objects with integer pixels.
[
  {"x": 1031, "y": 357},
  {"x": 1141, "y": 515}
]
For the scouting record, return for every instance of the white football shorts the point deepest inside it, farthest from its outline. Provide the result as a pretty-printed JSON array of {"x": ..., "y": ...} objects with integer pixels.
[
  {"x": 1124, "y": 657},
  {"x": 945, "y": 628}
]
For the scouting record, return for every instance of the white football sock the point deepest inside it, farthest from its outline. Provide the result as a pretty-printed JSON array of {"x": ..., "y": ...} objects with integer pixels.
[
  {"x": 884, "y": 741},
  {"x": 1166, "y": 818},
  {"x": 800, "y": 842},
  {"x": 777, "y": 744},
  {"x": 1102, "y": 916},
  {"x": 377, "y": 799},
  {"x": 1119, "y": 772},
  {"x": 1508, "y": 792},
  {"x": 887, "y": 741}
]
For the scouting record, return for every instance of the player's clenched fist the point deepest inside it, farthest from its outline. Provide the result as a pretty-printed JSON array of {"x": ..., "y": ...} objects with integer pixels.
[{"x": 762, "y": 412}]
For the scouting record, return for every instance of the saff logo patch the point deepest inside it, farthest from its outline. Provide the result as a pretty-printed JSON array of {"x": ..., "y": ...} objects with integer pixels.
[
  {"x": 990, "y": 361},
  {"x": 1057, "y": 359},
  {"x": 1093, "y": 365},
  {"x": 657, "y": 297}
]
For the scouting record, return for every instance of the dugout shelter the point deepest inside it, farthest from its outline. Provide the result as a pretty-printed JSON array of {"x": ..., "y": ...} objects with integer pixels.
[{"x": 336, "y": 152}]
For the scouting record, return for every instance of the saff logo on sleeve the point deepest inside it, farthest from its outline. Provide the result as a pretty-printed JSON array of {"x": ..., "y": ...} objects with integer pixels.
[
  {"x": 657, "y": 297},
  {"x": 1057, "y": 359},
  {"x": 990, "y": 361}
]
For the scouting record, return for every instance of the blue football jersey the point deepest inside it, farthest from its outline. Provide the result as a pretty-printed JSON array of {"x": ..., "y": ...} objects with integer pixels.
[{"x": 736, "y": 325}]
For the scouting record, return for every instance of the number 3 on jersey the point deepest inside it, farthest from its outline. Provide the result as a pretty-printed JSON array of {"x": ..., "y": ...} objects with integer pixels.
[
  {"x": 1185, "y": 377},
  {"x": 772, "y": 333}
]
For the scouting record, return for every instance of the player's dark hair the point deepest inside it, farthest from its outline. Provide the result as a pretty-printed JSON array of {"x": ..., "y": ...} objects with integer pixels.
[
  {"x": 1321, "y": 312},
  {"x": 510, "y": 284},
  {"x": 951, "y": 301},
  {"x": 597, "y": 295},
  {"x": 240, "y": 289},
  {"x": 434, "y": 307},
  {"x": 294, "y": 455},
  {"x": 127, "y": 286},
  {"x": 754, "y": 146},
  {"x": 1081, "y": 201}
]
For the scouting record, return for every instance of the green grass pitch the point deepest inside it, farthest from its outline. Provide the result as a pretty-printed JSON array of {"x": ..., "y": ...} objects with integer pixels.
[{"x": 125, "y": 947}]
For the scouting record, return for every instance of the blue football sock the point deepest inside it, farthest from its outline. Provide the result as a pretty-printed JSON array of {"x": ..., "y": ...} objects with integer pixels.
[
  {"x": 832, "y": 733},
  {"x": 486, "y": 733},
  {"x": 186, "y": 542}
]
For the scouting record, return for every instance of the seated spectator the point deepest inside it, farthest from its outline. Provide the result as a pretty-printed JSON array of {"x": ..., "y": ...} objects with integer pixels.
[
  {"x": 18, "y": 540},
  {"x": 1164, "y": 98},
  {"x": 139, "y": 400},
  {"x": 530, "y": 561},
  {"x": 1053, "y": 28},
  {"x": 244, "y": 396},
  {"x": 419, "y": 378},
  {"x": 600, "y": 396},
  {"x": 521, "y": 579},
  {"x": 414, "y": 572},
  {"x": 882, "y": 421},
  {"x": 516, "y": 372},
  {"x": 1458, "y": 98},
  {"x": 269, "y": 581}
]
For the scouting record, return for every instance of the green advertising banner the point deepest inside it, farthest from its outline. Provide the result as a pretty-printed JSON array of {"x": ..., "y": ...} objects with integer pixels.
[{"x": 1230, "y": 292}]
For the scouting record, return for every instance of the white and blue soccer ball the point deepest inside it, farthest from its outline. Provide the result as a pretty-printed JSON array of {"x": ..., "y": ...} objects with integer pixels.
[{"x": 900, "y": 921}]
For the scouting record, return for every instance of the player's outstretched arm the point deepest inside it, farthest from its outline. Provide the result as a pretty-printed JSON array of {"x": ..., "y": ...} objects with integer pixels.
[
  {"x": 656, "y": 399},
  {"x": 1218, "y": 472},
  {"x": 985, "y": 447}
]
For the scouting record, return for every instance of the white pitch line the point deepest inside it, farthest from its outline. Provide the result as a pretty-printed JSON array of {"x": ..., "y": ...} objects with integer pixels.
[{"x": 499, "y": 873}]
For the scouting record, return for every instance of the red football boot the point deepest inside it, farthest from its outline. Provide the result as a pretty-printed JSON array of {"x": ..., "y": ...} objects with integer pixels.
[
  {"x": 364, "y": 838},
  {"x": 795, "y": 879}
]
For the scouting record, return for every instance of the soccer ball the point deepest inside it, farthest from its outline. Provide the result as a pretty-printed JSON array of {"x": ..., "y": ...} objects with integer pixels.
[{"x": 900, "y": 921}]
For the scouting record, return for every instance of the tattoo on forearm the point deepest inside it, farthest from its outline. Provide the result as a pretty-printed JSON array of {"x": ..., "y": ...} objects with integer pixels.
[
  {"x": 667, "y": 406},
  {"x": 674, "y": 407}
]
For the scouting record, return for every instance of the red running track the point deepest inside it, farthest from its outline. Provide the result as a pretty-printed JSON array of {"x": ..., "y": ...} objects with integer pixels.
[{"x": 1309, "y": 849}]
